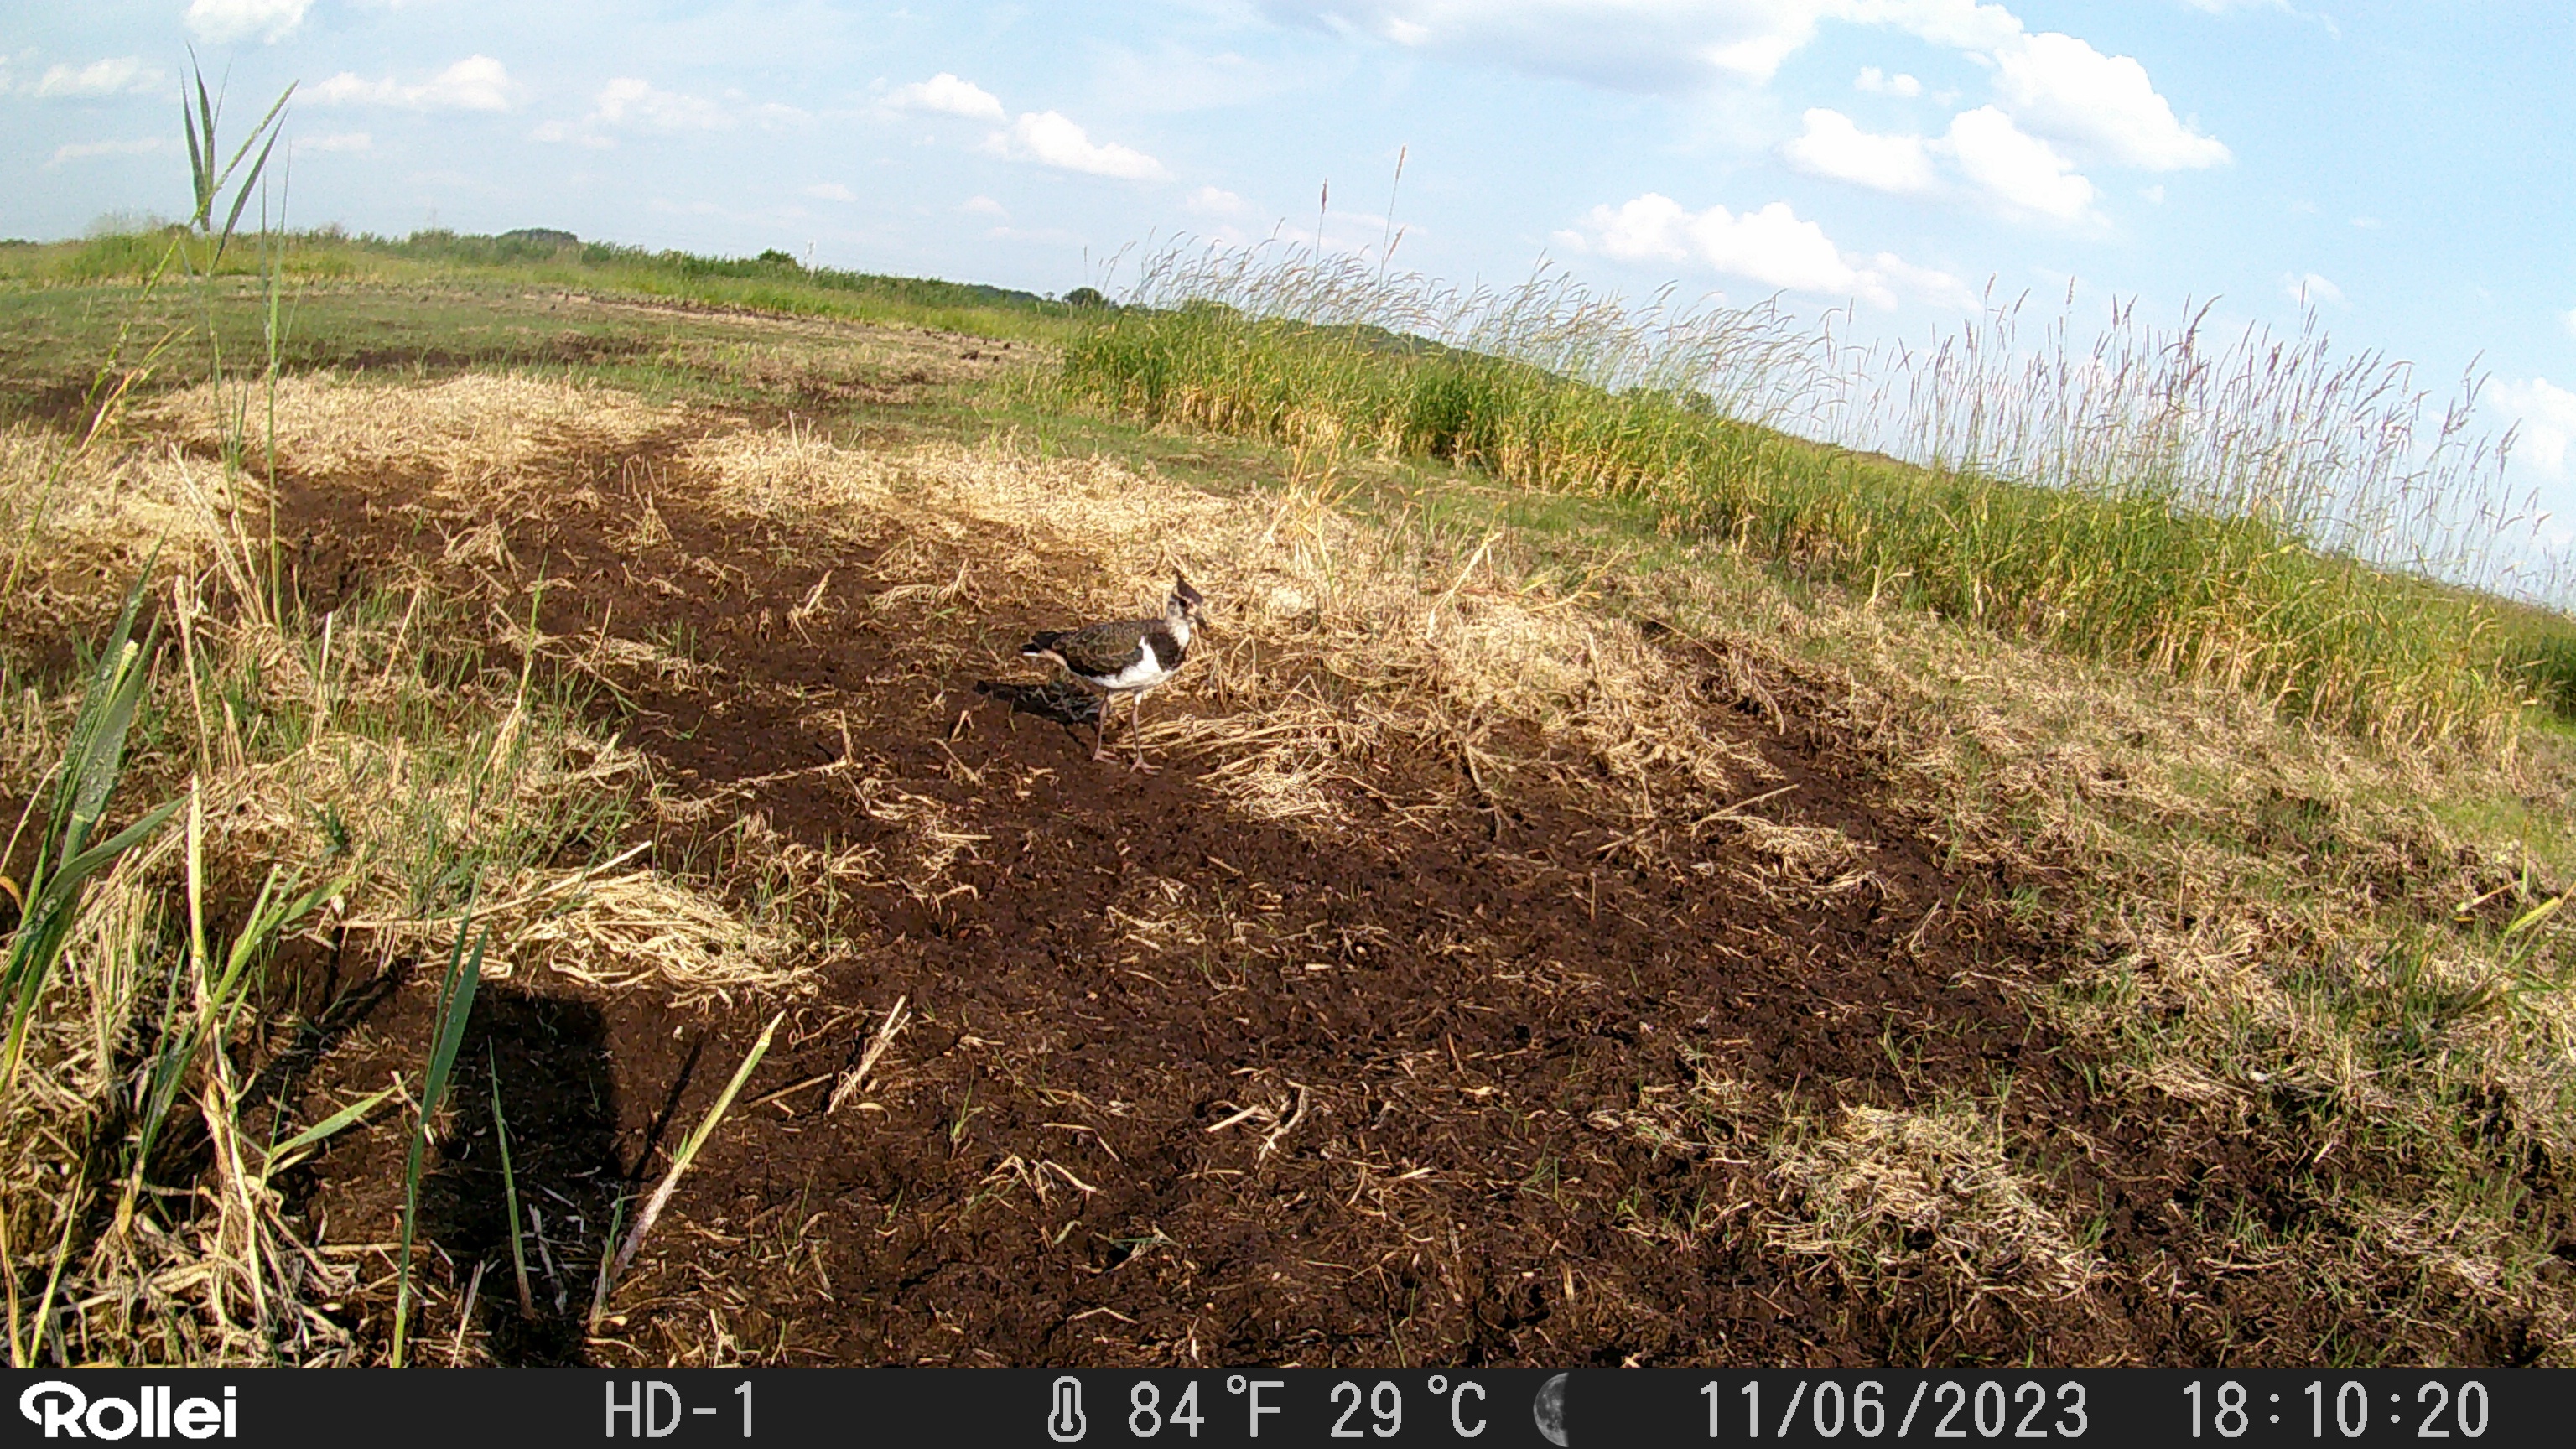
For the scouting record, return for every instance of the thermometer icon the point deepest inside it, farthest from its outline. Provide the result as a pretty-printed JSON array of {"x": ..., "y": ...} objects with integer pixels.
[{"x": 1065, "y": 1424}]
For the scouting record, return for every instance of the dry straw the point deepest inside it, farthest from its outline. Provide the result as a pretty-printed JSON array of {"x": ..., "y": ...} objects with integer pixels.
[
  {"x": 1882, "y": 1182},
  {"x": 476, "y": 435},
  {"x": 1333, "y": 645}
]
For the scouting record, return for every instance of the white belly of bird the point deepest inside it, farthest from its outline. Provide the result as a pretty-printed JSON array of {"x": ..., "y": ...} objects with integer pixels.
[{"x": 1145, "y": 673}]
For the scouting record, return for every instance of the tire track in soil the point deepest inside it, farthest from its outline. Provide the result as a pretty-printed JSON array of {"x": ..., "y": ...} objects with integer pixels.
[{"x": 1441, "y": 1036}]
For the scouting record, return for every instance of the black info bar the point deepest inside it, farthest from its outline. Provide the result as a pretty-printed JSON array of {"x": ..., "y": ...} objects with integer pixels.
[{"x": 1487, "y": 1409}]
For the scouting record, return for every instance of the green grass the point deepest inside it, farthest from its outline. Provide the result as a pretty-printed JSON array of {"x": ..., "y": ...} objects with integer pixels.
[
  {"x": 2135, "y": 569},
  {"x": 321, "y": 258},
  {"x": 66, "y": 855}
]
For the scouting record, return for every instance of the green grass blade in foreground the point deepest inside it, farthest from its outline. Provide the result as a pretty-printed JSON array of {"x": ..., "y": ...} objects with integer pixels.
[
  {"x": 219, "y": 991},
  {"x": 455, "y": 1001},
  {"x": 183, "y": 1031},
  {"x": 286, "y": 1154},
  {"x": 687, "y": 1154},
  {"x": 509, "y": 1185},
  {"x": 97, "y": 755},
  {"x": 200, "y": 125},
  {"x": 209, "y": 183},
  {"x": 241, "y": 197},
  {"x": 65, "y": 860}
]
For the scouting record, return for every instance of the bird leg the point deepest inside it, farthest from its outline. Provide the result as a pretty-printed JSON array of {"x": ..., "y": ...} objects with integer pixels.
[
  {"x": 1135, "y": 714},
  {"x": 1100, "y": 741}
]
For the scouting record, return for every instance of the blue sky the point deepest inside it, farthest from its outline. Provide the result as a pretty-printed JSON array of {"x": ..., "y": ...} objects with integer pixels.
[{"x": 2408, "y": 166}]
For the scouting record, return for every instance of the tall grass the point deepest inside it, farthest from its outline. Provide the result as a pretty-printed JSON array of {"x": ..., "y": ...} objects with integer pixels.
[
  {"x": 2267, "y": 513},
  {"x": 66, "y": 854},
  {"x": 138, "y": 1221},
  {"x": 455, "y": 1005}
]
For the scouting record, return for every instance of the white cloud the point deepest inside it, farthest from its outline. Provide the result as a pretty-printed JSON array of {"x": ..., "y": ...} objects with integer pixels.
[
  {"x": 1645, "y": 45},
  {"x": 476, "y": 83},
  {"x": 2155, "y": 194},
  {"x": 1215, "y": 201},
  {"x": 2048, "y": 84},
  {"x": 632, "y": 102},
  {"x": 1992, "y": 155},
  {"x": 1925, "y": 284},
  {"x": 2022, "y": 171},
  {"x": 1874, "y": 80},
  {"x": 945, "y": 92},
  {"x": 1638, "y": 45},
  {"x": 2060, "y": 86},
  {"x": 1771, "y": 246},
  {"x": 218, "y": 22},
  {"x": 341, "y": 141},
  {"x": 1834, "y": 146},
  {"x": 984, "y": 206},
  {"x": 2568, "y": 318},
  {"x": 2547, "y": 427},
  {"x": 1662, "y": 45},
  {"x": 117, "y": 74},
  {"x": 2307, "y": 287},
  {"x": 1051, "y": 139},
  {"x": 830, "y": 191},
  {"x": 2366, "y": 223},
  {"x": 81, "y": 150},
  {"x": 1958, "y": 24}
]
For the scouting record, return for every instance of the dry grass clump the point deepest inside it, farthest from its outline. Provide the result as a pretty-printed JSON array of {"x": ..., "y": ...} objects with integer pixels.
[
  {"x": 1818, "y": 858},
  {"x": 331, "y": 760},
  {"x": 469, "y": 433},
  {"x": 1714, "y": 1118},
  {"x": 1900, "y": 1193},
  {"x": 483, "y": 777},
  {"x": 793, "y": 474},
  {"x": 2475, "y": 1253},
  {"x": 77, "y": 524},
  {"x": 226, "y": 1281},
  {"x": 624, "y": 930}
]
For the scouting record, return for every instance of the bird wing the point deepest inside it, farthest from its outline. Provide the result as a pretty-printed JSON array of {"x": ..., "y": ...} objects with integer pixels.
[{"x": 1104, "y": 649}]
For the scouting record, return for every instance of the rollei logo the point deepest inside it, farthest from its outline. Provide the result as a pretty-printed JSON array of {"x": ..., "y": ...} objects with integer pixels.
[{"x": 65, "y": 1412}]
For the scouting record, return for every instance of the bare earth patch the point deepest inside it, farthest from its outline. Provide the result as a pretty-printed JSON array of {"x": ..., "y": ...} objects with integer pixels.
[
  {"x": 1482, "y": 981},
  {"x": 1526, "y": 955}
]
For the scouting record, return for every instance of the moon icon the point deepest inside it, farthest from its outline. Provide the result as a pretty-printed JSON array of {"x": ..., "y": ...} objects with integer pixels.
[{"x": 1548, "y": 1409}]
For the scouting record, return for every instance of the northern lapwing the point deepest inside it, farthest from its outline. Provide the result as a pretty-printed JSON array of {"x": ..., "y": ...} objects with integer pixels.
[{"x": 1124, "y": 658}]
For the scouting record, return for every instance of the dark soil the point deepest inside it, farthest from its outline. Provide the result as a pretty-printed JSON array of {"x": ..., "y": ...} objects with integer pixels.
[{"x": 1388, "y": 1113}]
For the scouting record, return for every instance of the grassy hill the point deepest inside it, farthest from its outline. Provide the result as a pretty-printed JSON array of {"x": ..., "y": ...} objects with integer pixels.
[{"x": 1625, "y": 883}]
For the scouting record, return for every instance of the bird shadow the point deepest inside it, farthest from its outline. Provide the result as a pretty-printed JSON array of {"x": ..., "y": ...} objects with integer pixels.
[{"x": 1062, "y": 703}]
